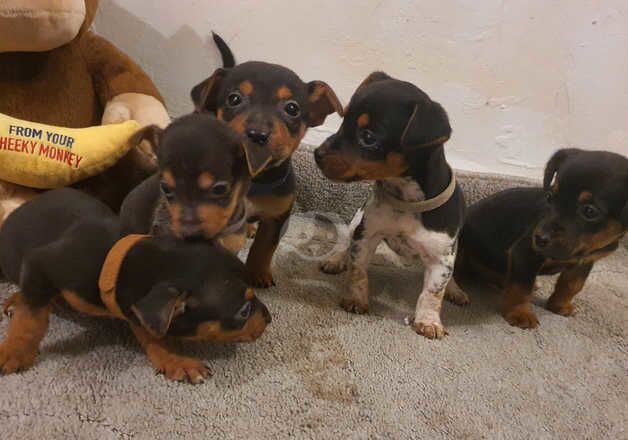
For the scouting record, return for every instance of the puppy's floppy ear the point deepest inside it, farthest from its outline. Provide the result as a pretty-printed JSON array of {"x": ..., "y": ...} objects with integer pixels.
[
  {"x": 373, "y": 77},
  {"x": 554, "y": 164},
  {"x": 257, "y": 157},
  {"x": 322, "y": 101},
  {"x": 205, "y": 94},
  {"x": 428, "y": 125},
  {"x": 156, "y": 310},
  {"x": 151, "y": 134}
]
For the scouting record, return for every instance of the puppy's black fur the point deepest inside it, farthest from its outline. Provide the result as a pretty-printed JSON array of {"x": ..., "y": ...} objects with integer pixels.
[
  {"x": 271, "y": 107},
  {"x": 578, "y": 217},
  {"x": 164, "y": 287},
  {"x": 201, "y": 185}
]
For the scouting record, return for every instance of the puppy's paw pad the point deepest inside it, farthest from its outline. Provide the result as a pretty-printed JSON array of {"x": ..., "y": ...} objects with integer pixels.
[
  {"x": 14, "y": 359},
  {"x": 567, "y": 309},
  {"x": 333, "y": 267},
  {"x": 522, "y": 318},
  {"x": 457, "y": 296},
  {"x": 186, "y": 369},
  {"x": 430, "y": 329},
  {"x": 353, "y": 306}
]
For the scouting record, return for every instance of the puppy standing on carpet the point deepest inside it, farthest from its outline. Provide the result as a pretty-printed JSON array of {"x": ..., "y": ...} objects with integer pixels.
[
  {"x": 272, "y": 108},
  {"x": 200, "y": 188},
  {"x": 161, "y": 287},
  {"x": 393, "y": 133},
  {"x": 578, "y": 217}
]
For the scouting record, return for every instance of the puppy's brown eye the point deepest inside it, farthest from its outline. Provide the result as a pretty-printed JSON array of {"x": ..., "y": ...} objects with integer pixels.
[
  {"x": 245, "y": 311},
  {"x": 549, "y": 196},
  {"x": 292, "y": 109},
  {"x": 234, "y": 99},
  {"x": 368, "y": 138},
  {"x": 165, "y": 189},
  {"x": 220, "y": 189},
  {"x": 590, "y": 212}
]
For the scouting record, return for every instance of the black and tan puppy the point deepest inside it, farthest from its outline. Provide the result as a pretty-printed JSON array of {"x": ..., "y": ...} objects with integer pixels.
[
  {"x": 201, "y": 186},
  {"x": 578, "y": 217},
  {"x": 160, "y": 286},
  {"x": 272, "y": 108},
  {"x": 394, "y": 134}
]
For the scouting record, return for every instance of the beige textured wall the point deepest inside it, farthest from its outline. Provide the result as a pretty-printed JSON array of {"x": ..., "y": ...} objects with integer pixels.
[{"x": 518, "y": 78}]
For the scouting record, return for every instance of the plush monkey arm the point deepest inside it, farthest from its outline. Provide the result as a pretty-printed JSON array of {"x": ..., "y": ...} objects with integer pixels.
[{"x": 123, "y": 88}]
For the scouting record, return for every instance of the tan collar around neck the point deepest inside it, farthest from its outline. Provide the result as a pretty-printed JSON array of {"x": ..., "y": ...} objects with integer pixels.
[
  {"x": 421, "y": 205},
  {"x": 111, "y": 269}
]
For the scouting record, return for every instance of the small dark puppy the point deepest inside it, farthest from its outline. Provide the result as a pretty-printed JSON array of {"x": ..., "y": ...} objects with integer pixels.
[
  {"x": 161, "y": 287},
  {"x": 272, "y": 108},
  {"x": 393, "y": 133},
  {"x": 200, "y": 189},
  {"x": 578, "y": 217}
]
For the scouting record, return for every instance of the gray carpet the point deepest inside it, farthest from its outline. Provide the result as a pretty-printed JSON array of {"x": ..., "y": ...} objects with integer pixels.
[{"x": 321, "y": 373}]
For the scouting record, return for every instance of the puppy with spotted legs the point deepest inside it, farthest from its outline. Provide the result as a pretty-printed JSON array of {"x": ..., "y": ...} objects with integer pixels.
[{"x": 394, "y": 134}]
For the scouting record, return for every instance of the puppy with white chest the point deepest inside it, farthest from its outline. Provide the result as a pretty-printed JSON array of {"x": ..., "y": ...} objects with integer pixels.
[{"x": 394, "y": 134}]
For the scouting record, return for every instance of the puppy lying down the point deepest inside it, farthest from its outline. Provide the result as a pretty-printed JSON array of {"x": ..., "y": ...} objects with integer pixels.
[{"x": 67, "y": 244}]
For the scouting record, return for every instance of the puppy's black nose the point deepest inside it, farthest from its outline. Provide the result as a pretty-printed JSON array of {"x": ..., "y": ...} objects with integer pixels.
[
  {"x": 258, "y": 136},
  {"x": 541, "y": 240}
]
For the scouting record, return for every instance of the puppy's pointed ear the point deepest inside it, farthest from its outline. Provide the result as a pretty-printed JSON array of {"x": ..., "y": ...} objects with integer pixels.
[
  {"x": 257, "y": 157},
  {"x": 322, "y": 101},
  {"x": 428, "y": 125},
  {"x": 554, "y": 164},
  {"x": 373, "y": 77},
  {"x": 156, "y": 310},
  {"x": 150, "y": 134},
  {"x": 205, "y": 94}
]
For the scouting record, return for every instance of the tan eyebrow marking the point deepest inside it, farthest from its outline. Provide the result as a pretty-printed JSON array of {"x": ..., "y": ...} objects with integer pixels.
[
  {"x": 585, "y": 196},
  {"x": 205, "y": 180},
  {"x": 363, "y": 120},
  {"x": 167, "y": 177},
  {"x": 284, "y": 92},
  {"x": 246, "y": 87}
]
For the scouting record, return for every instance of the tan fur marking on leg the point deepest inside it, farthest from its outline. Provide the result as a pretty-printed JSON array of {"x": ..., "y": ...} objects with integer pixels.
[
  {"x": 26, "y": 330},
  {"x": 570, "y": 282},
  {"x": 173, "y": 366},
  {"x": 517, "y": 309}
]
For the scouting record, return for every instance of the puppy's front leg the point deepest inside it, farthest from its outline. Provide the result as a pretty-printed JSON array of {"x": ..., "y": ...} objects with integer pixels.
[
  {"x": 360, "y": 253},
  {"x": 258, "y": 263},
  {"x": 568, "y": 285},
  {"x": 27, "y": 328},
  {"x": 172, "y": 365},
  {"x": 438, "y": 272}
]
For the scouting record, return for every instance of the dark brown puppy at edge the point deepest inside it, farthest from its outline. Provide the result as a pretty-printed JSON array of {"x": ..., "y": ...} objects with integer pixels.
[
  {"x": 160, "y": 286},
  {"x": 199, "y": 191},
  {"x": 272, "y": 108},
  {"x": 577, "y": 218}
]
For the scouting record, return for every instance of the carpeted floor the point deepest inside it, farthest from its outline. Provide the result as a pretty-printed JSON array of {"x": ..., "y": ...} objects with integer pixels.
[{"x": 321, "y": 373}]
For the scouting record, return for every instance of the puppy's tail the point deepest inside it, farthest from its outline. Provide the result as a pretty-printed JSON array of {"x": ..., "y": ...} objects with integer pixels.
[{"x": 228, "y": 59}]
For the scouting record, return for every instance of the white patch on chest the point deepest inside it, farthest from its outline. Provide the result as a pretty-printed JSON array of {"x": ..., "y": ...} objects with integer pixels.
[{"x": 404, "y": 231}]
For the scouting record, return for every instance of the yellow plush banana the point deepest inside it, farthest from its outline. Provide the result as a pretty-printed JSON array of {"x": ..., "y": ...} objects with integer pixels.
[{"x": 45, "y": 156}]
